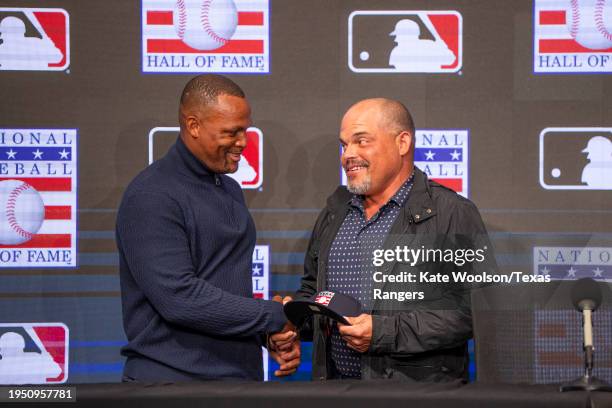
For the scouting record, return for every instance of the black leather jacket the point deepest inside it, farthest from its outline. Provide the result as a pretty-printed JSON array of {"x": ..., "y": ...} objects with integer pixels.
[{"x": 415, "y": 341}]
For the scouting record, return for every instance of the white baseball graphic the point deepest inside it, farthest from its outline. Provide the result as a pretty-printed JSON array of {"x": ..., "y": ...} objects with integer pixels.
[
  {"x": 205, "y": 24},
  {"x": 590, "y": 23},
  {"x": 21, "y": 212}
]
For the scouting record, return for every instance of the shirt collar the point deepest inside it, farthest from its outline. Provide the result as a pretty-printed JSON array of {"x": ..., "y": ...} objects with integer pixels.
[{"x": 399, "y": 198}]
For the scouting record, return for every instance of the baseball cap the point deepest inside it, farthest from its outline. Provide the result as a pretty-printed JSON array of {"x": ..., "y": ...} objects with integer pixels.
[{"x": 334, "y": 305}]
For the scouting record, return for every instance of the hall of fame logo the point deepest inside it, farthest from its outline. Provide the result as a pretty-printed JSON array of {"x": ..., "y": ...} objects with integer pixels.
[
  {"x": 389, "y": 41},
  {"x": 569, "y": 263},
  {"x": 260, "y": 272},
  {"x": 323, "y": 298},
  {"x": 572, "y": 36},
  {"x": 192, "y": 36},
  {"x": 33, "y": 353},
  {"x": 38, "y": 198},
  {"x": 34, "y": 39},
  {"x": 442, "y": 154},
  {"x": 576, "y": 158},
  {"x": 250, "y": 167}
]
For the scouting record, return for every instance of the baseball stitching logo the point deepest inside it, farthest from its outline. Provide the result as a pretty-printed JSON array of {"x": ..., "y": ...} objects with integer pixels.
[
  {"x": 573, "y": 36},
  {"x": 217, "y": 19},
  {"x": 23, "y": 212},
  {"x": 323, "y": 298},
  {"x": 225, "y": 36},
  {"x": 588, "y": 26},
  {"x": 38, "y": 198}
]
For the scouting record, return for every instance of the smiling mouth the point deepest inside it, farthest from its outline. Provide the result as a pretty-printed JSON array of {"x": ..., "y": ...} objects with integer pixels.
[
  {"x": 234, "y": 156},
  {"x": 353, "y": 168}
]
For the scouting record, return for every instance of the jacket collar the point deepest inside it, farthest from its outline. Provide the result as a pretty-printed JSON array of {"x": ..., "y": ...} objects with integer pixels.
[
  {"x": 418, "y": 207},
  {"x": 189, "y": 164},
  {"x": 420, "y": 204}
]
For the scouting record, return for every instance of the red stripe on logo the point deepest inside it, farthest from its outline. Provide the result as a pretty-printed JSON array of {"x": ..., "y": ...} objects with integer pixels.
[
  {"x": 55, "y": 342},
  {"x": 561, "y": 46},
  {"x": 250, "y": 18},
  {"x": 447, "y": 25},
  {"x": 54, "y": 24},
  {"x": 552, "y": 17},
  {"x": 232, "y": 47},
  {"x": 45, "y": 183},
  {"x": 58, "y": 212},
  {"x": 455, "y": 184},
  {"x": 159, "y": 17},
  {"x": 44, "y": 241},
  {"x": 245, "y": 18}
]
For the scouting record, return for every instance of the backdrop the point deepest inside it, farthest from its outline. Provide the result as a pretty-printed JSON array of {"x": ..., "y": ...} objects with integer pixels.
[{"x": 511, "y": 99}]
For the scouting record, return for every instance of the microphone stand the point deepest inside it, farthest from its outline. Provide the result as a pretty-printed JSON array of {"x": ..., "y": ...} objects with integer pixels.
[{"x": 587, "y": 382}]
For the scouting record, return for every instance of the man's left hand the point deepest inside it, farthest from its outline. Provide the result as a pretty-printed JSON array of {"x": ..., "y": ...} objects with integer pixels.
[
  {"x": 288, "y": 361},
  {"x": 358, "y": 336}
]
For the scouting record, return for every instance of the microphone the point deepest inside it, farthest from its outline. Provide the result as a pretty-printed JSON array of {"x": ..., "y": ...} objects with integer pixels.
[{"x": 586, "y": 297}]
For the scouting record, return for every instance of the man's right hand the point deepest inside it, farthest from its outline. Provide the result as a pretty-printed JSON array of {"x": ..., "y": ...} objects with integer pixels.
[
  {"x": 283, "y": 340},
  {"x": 284, "y": 346}
]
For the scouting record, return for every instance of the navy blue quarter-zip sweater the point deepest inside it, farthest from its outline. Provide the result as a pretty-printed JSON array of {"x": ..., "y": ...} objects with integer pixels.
[{"x": 185, "y": 240}]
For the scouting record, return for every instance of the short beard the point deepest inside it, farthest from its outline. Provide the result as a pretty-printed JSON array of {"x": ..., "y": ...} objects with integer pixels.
[{"x": 362, "y": 188}]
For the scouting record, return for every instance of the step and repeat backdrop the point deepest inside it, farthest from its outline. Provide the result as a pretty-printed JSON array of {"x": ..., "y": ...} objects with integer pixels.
[{"x": 512, "y": 101}]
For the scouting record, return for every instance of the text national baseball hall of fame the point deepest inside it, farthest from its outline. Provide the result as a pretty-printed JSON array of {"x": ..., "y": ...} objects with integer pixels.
[{"x": 38, "y": 198}]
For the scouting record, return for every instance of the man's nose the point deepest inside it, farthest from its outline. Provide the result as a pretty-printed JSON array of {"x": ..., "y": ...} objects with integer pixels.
[
  {"x": 241, "y": 140},
  {"x": 348, "y": 152}
]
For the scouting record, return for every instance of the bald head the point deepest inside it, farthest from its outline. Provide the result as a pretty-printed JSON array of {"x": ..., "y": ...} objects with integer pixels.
[
  {"x": 390, "y": 115},
  {"x": 202, "y": 92}
]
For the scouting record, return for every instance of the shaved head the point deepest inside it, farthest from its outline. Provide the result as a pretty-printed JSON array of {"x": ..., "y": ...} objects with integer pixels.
[
  {"x": 377, "y": 136},
  {"x": 202, "y": 92},
  {"x": 392, "y": 115}
]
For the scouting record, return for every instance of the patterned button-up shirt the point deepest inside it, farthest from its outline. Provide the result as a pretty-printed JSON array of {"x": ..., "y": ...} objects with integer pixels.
[{"x": 350, "y": 267}]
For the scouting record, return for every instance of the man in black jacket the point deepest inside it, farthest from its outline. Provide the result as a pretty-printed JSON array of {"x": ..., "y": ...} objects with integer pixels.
[{"x": 420, "y": 334}]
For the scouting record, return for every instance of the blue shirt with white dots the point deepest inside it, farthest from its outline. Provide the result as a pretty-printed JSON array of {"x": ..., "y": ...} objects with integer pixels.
[{"x": 350, "y": 267}]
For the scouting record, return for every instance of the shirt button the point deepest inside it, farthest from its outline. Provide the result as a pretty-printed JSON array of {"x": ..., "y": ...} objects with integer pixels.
[
  {"x": 417, "y": 216},
  {"x": 428, "y": 211}
]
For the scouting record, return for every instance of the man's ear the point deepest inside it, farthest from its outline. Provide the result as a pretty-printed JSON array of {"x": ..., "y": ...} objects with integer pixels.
[
  {"x": 192, "y": 125},
  {"x": 404, "y": 142}
]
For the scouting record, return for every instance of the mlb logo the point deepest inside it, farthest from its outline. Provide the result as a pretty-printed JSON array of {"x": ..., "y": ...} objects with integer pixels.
[
  {"x": 192, "y": 36},
  {"x": 572, "y": 36},
  {"x": 576, "y": 158},
  {"x": 34, "y": 39},
  {"x": 405, "y": 41},
  {"x": 442, "y": 155},
  {"x": 323, "y": 298},
  {"x": 250, "y": 167},
  {"x": 33, "y": 353},
  {"x": 569, "y": 263},
  {"x": 38, "y": 198}
]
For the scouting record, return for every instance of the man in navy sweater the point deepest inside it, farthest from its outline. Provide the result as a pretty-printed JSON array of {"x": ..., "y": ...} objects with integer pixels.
[{"x": 185, "y": 240}]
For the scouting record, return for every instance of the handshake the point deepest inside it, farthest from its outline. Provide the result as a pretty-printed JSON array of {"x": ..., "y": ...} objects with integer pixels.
[{"x": 284, "y": 346}]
